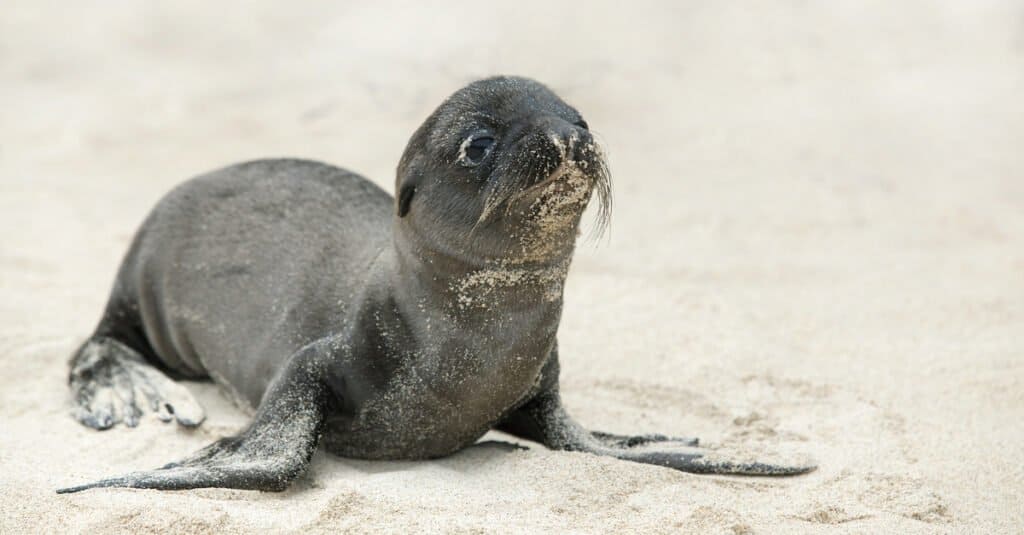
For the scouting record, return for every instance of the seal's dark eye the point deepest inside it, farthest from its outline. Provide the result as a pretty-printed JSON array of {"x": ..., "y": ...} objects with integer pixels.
[
  {"x": 477, "y": 149},
  {"x": 582, "y": 124}
]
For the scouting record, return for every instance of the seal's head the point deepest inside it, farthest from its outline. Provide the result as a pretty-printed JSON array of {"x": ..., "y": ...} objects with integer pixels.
[{"x": 501, "y": 171}]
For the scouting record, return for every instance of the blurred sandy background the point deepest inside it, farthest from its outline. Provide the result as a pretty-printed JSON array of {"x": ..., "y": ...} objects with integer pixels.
[{"x": 818, "y": 246}]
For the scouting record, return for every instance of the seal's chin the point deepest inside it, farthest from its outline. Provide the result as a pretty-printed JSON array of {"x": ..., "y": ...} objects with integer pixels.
[{"x": 563, "y": 196}]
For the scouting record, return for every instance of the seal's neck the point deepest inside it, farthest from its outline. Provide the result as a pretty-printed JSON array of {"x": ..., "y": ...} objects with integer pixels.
[{"x": 467, "y": 286}]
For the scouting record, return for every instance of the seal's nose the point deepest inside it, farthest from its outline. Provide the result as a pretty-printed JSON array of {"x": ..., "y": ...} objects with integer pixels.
[{"x": 572, "y": 141}]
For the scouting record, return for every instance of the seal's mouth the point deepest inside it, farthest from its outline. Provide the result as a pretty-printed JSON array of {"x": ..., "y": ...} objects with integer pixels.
[{"x": 549, "y": 175}]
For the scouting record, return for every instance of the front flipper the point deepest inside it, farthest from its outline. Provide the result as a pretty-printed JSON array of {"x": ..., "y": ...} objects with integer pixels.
[
  {"x": 544, "y": 420},
  {"x": 273, "y": 451}
]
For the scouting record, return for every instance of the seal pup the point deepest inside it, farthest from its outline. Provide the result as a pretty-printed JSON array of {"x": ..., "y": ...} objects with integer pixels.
[{"x": 382, "y": 328}]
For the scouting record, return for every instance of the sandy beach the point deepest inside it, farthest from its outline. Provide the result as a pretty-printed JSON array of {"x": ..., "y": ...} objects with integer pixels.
[{"x": 817, "y": 248}]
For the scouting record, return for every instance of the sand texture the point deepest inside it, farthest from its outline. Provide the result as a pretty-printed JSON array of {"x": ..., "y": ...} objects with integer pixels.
[{"x": 817, "y": 248}]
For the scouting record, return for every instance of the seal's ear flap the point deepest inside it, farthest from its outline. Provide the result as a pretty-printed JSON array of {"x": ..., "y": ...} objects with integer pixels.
[
  {"x": 404, "y": 198},
  {"x": 405, "y": 192}
]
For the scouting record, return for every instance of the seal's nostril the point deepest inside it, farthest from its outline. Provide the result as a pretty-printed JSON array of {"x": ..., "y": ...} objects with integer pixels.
[
  {"x": 579, "y": 152},
  {"x": 580, "y": 146}
]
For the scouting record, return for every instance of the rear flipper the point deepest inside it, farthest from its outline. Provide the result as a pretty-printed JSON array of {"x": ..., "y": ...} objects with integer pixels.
[
  {"x": 544, "y": 420},
  {"x": 112, "y": 383},
  {"x": 273, "y": 451}
]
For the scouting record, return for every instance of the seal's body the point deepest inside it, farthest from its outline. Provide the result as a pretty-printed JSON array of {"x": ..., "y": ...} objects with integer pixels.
[
  {"x": 236, "y": 270},
  {"x": 303, "y": 248},
  {"x": 391, "y": 328}
]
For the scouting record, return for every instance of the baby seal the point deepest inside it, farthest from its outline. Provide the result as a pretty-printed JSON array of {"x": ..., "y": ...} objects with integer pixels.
[{"x": 382, "y": 328}]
